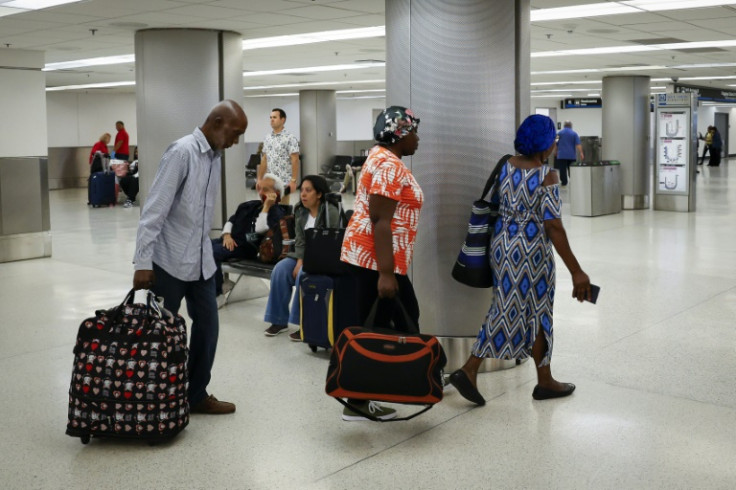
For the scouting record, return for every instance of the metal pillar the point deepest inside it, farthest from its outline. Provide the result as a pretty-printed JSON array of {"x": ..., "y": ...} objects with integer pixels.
[
  {"x": 464, "y": 70},
  {"x": 626, "y": 135},
  {"x": 317, "y": 129}
]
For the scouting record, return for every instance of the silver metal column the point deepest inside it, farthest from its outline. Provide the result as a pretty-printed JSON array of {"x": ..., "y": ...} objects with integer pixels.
[
  {"x": 464, "y": 70},
  {"x": 626, "y": 135},
  {"x": 180, "y": 75},
  {"x": 24, "y": 179},
  {"x": 317, "y": 129}
]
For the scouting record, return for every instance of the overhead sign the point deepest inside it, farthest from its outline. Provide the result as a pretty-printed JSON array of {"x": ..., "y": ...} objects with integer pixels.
[
  {"x": 582, "y": 103},
  {"x": 708, "y": 93}
]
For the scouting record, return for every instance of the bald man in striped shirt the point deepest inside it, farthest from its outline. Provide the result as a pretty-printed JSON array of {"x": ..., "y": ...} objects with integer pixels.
[{"x": 173, "y": 255}]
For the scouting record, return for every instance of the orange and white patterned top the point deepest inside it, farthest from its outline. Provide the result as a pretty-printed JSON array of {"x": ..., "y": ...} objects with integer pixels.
[{"x": 384, "y": 174}]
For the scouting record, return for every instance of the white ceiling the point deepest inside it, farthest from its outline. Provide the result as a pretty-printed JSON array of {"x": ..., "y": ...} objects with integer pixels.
[{"x": 96, "y": 28}]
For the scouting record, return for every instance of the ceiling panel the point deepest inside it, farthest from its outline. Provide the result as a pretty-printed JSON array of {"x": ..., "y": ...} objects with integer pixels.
[
  {"x": 64, "y": 33},
  {"x": 361, "y": 6},
  {"x": 258, "y": 5},
  {"x": 206, "y": 12},
  {"x": 701, "y": 13},
  {"x": 320, "y": 12}
]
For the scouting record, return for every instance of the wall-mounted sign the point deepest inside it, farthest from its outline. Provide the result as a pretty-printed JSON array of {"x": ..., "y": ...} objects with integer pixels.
[
  {"x": 581, "y": 103},
  {"x": 673, "y": 99}
]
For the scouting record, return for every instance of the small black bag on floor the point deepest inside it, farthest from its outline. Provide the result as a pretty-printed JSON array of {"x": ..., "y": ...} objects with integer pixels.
[{"x": 130, "y": 374}]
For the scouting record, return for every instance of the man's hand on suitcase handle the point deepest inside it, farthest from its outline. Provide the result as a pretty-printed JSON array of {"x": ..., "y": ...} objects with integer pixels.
[{"x": 143, "y": 279}]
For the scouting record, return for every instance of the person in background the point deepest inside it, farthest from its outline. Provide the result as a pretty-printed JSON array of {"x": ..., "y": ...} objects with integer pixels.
[
  {"x": 351, "y": 170},
  {"x": 129, "y": 183},
  {"x": 173, "y": 252},
  {"x": 121, "y": 150},
  {"x": 311, "y": 211},
  {"x": 280, "y": 154},
  {"x": 379, "y": 239},
  {"x": 568, "y": 148},
  {"x": 101, "y": 146},
  {"x": 707, "y": 141},
  {"x": 519, "y": 322},
  {"x": 716, "y": 147},
  {"x": 242, "y": 233}
]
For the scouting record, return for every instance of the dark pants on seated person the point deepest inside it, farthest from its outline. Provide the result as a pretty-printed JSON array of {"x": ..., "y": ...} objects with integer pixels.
[
  {"x": 205, "y": 327},
  {"x": 130, "y": 186},
  {"x": 244, "y": 250}
]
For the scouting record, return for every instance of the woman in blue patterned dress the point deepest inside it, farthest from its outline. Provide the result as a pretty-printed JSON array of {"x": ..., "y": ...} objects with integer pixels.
[{"x": 519, "y": 322}]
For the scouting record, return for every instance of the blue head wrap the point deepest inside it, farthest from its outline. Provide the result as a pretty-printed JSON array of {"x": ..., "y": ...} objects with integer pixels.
[
  {"x": 536, "y": 134},
  {"x": 393, "y": 124}
]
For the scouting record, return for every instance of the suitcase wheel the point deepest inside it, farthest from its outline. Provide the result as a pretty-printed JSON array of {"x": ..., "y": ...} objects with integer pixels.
[
  {"x": 84, "y": 439},
  {"x": 313, "y": 347}
]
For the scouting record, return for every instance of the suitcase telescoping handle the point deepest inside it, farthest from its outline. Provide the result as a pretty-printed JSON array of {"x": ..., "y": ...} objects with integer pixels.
[{"x": 151, "y": 302}]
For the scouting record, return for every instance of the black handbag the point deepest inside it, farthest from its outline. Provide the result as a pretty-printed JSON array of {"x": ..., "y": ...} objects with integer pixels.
[
  {"x": 472, "y": 266},
  {"x": 382, "y": 364},
  {"x": 322, "y": 246}
]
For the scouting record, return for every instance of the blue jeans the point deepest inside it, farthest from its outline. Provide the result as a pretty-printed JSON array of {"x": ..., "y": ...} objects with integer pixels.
[
  {"x": 282, "y": 281},
  {"x": 202, "y": 309}
]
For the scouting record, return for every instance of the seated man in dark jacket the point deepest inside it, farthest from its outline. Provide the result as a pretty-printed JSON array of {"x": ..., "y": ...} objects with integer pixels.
[{"x": 242, "y": 233}]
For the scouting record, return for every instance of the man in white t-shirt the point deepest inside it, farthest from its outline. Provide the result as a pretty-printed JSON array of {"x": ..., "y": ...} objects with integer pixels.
[{"x": 280, "y": 154}]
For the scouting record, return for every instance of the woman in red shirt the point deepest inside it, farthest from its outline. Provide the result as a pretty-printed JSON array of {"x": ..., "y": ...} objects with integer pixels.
[{"x": 100, "y": 146}]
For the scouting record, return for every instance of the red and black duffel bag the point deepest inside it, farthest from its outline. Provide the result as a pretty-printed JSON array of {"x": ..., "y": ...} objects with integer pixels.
[
  {"x": 130, "y": 374},
  {"x": 386, "y": 365}
]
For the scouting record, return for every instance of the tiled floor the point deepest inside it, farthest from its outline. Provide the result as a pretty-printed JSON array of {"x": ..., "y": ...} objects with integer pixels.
[{"x": 654, "y": 362}]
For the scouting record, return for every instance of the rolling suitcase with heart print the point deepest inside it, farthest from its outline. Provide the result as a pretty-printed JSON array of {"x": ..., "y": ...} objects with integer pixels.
[{"x": 130, "y": 374}]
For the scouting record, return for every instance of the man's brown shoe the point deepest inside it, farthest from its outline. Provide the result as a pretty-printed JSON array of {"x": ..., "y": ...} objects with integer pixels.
[{"x": 213, "y": 406}]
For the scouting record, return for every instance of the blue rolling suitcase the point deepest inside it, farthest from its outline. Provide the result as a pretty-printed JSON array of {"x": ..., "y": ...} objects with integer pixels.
[
  {"x": 327, "y": 308},
  {"x": 102, "y": 189}
]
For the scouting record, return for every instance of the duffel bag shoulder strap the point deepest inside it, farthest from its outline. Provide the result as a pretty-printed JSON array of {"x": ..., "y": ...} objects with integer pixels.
[{"x": 376, "y": 419}]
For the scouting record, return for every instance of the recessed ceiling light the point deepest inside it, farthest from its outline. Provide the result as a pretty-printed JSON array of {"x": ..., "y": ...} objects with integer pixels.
[
  {"x": 312, "y": 84},
  {"x": 312, "y": 69},
  {"x": 271, "y": 95},
  {"x": 621, "y": 7},
  {"x": 637, "y": 48},
  {"x": 90, "y": 85},
  {"x": 314, "y": 37},
  {"x": 105, "y": 60},
  {"x": 37, "y": 4}
]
